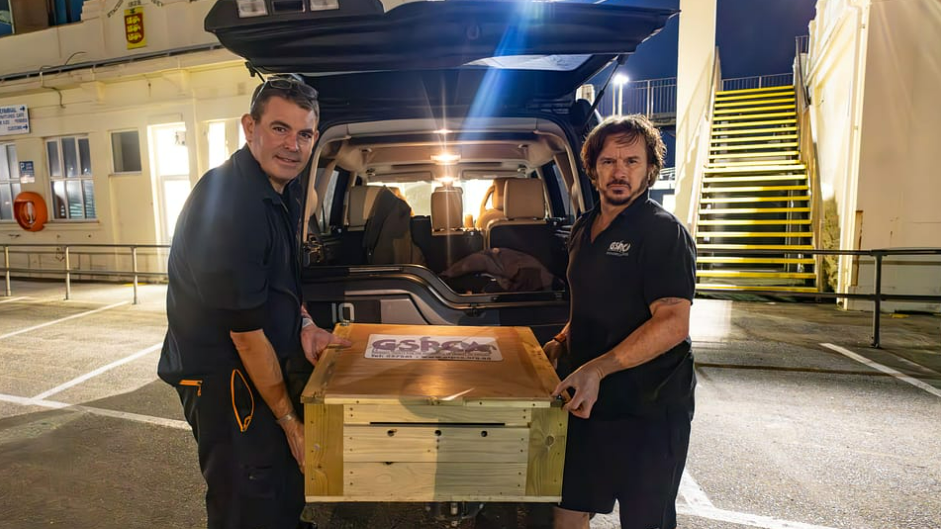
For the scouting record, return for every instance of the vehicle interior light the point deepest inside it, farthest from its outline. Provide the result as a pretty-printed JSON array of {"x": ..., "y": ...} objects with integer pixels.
[
  {"x": 324, "y": 5},
  {"x": 443, "y": 131},
  {"x": 446, "y": 158},
  {"x": 252, "y": 8}
]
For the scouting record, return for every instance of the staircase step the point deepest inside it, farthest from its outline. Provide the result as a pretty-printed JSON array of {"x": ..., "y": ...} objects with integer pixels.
[
  {"x": 714, "y": 139},
  {"x": 753, "y": 222},
  {"x": 754, "y": 199},
  {"x": 745, "y": 111},
  {"x": 764, "y": 178},
  {"x": 754, "y": 189},
  {"x": 718, "y": 286},
  {"x": 755, "y": 275},
  {"x": 724, "y": 93},
  {"x": 746, "y": 117},
  {"x": 725, "y": 104},
  {"x": 765, "y": 154},
  {"x": 751, "y": 163},
  {"x": 752, "y": 211},
  {"x": 752, "y": 146},
  {"x": 756, "y": 234},
  {"x": 709, "y": 259},
  {"x": 721, "y": 126},
  {"x": 775, "y": 247},
  {"x": 756, "y": 168}
]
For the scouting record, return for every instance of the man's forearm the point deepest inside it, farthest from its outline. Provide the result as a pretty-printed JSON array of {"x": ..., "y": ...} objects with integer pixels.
[
  {"x": 656, "y": 336},
  {"x": 261, "y": 363}
]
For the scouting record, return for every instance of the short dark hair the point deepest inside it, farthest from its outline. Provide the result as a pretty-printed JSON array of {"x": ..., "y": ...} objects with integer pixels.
[
  {"x": 286, "y": 86},
  {"x": 633, "y": 126}
]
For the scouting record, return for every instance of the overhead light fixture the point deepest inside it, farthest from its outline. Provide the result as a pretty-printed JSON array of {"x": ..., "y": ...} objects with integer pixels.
[
  {"x": 446, "y": 158},
  {"x": 446, "y": 180},
  {"x": 252, "y": 8},
  {"x": 443, "y": 131}
]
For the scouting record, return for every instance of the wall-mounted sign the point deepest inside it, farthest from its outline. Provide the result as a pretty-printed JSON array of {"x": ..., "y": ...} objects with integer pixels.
[
  {"x": 134, "y": 28},
  {"x": 27, "y": 172},
  {"x": 14, "y": 120},
  {"x": 400, "y": 347}
]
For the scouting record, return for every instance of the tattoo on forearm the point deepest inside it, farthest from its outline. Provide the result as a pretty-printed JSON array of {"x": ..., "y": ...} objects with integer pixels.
[{"x": 669, "y": 301}]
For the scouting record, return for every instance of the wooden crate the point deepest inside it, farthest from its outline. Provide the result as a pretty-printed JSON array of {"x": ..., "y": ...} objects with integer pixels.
[{"x": 379, "y": 429}]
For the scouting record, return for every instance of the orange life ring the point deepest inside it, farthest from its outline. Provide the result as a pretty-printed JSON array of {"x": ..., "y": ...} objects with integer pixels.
[{"x": 29, "y": 210}]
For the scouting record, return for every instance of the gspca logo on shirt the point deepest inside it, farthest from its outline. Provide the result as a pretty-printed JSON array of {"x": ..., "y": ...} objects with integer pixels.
[{"x": 619, "y": 249}]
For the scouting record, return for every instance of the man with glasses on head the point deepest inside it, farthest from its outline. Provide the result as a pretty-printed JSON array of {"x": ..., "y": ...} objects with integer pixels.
[{"x": 238, "y": 332}]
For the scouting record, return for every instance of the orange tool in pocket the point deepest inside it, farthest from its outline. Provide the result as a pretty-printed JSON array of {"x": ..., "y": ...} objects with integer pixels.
[
  {"x": 243, "y": 401},
  {"x": 198, "y": 384}
]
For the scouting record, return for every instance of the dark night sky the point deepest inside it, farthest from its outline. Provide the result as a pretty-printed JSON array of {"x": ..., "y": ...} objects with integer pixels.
[{"x": 755, "y": 37}]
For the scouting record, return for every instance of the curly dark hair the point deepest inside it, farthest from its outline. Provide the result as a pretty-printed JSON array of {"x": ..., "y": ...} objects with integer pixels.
[{"x": 632, "y": 126}]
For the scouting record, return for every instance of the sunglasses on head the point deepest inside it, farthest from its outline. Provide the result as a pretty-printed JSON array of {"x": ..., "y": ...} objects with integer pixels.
[{"x": 287, "y": 83}]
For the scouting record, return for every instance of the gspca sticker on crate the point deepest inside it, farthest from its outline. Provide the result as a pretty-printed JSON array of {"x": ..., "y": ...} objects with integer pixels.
[{"x": 404, "y": 347}]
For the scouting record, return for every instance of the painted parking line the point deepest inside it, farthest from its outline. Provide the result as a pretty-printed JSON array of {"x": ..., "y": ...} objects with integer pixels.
[
  {"x": 8, "y": 300},
  {"x": 60, "y": 320},
  {"x": 128, "y": 416},
  {"x": 695, "y": 497},
  {"x": 744, "y": 518},
  {"x": 888, "y": 370},
  {"x": 78, "y": 380}
]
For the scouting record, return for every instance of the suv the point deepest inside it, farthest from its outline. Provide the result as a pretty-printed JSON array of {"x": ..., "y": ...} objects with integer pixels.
[{"x": 463, "y": 112}]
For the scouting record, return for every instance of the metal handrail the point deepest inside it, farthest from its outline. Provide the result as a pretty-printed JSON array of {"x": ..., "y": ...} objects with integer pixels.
[
  {"x": 650, "y": 97},
  {"x": 876, "y": 297},
  {"x": 68, "y": 270},
  {"x": 758, "y": 81}
]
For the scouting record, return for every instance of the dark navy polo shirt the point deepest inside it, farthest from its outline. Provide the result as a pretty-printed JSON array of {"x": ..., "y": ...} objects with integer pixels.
[
  {"x": 233, "y": 266},
  {"x": 644, "y": 255}
]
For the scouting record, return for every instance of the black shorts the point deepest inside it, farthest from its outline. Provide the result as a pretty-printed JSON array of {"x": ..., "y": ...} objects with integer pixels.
[{"x": 637, "y": 461}]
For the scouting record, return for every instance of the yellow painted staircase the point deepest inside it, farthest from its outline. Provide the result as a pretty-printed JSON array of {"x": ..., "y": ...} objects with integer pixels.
[{"x": 755, "y": 197}]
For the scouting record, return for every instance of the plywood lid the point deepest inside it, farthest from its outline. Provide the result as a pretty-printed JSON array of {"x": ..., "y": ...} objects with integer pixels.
[{"x": 523, "y": 377}]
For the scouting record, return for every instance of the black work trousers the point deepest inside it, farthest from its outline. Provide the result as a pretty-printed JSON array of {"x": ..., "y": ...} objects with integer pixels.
[{"x": 253, "y": 480}]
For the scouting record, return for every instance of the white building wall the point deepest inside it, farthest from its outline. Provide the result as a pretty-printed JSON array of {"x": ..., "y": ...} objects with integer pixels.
[
  {"x": 194, "y": 89},
  {"x": 695, "y": 57},
  {"x": 874, "y": 79}
]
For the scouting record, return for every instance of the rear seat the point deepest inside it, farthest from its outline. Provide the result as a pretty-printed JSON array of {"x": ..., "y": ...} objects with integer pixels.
[
  {"x": 525, "y": 227},
  {"x": 359, "y": 204},
  {"x": 442, "y": 238}
]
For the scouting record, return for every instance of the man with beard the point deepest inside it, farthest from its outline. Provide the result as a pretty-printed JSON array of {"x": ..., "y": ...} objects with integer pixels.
[
  {"x": 626, "y": 349},
  {"x": 238, "y": 332}
]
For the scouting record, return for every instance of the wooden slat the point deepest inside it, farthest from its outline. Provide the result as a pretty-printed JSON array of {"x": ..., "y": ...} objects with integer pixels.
[
  {"x": 434, "y": 481},
  {"x": 323, "y": 462},
  {"x": 754, "y": 199},
  {"x": 317, "y": 384},
  {"x": 442, "y": 444},
  {"x": 420, "y": 381},
  {"x": 723, "y": 104},
  {"x": 719, "y": 126},
  {"x": 544, "y": 370},
  {"x": 548, "y": 434},
  {"x": 407, "y": 413},
  {"x": 753, "y": 260},
  {"x": 755, "y": 275},
  {"x": 753, "y": 211}
]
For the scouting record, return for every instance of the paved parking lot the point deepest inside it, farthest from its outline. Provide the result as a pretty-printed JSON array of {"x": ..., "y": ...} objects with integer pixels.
[{"x": 799, "y": 424}]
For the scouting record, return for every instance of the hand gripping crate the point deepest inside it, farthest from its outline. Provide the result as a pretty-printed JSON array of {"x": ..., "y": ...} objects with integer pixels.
[{"x": 434, "y": 413}]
